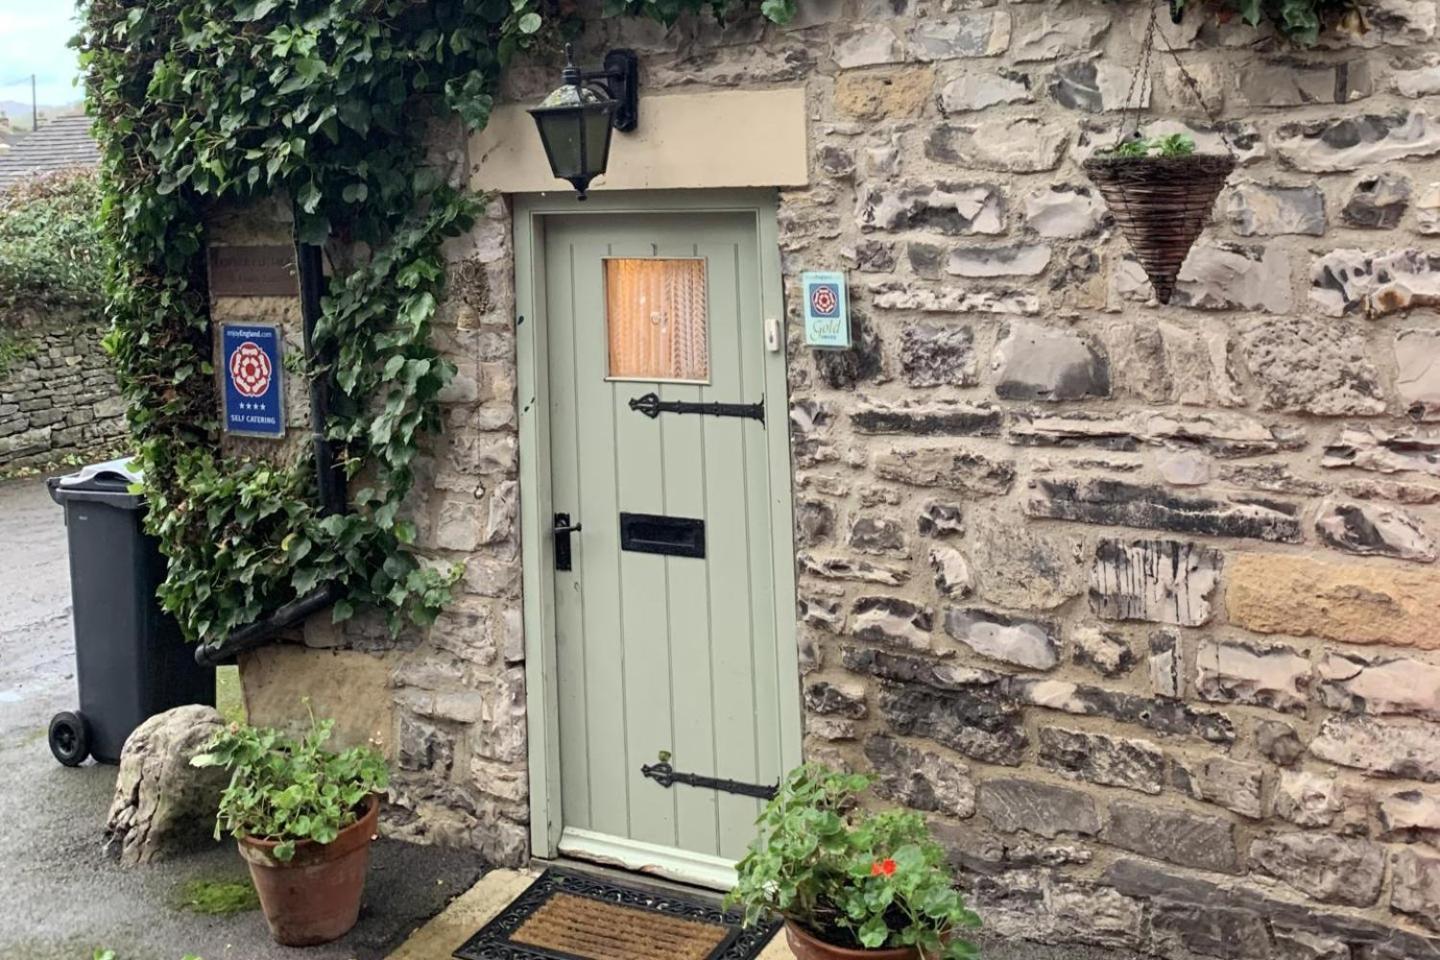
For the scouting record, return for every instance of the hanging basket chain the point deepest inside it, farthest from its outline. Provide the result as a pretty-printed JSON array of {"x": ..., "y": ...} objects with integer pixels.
[
  {"x": 1136, "y": 93},
  {"x": 1213, "y": 113}
]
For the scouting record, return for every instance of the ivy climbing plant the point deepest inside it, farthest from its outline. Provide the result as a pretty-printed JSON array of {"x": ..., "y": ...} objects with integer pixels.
[{"x": 324, "y": 103}]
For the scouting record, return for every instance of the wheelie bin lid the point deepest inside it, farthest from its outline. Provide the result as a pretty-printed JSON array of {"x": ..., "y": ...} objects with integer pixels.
[{"x": 107, "y": 482}]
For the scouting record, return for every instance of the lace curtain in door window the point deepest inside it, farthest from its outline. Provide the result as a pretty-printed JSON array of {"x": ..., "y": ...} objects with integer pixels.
[{"x": 656, "y": 313}]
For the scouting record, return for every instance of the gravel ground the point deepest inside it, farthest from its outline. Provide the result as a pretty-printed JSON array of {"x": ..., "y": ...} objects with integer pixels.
[{"x": 60, "y": 897}]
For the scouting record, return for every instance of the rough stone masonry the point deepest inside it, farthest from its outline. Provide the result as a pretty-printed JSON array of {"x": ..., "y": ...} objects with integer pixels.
[
  {"x": 58, "y": 397},
  {"x": 1139, "y": 603}
]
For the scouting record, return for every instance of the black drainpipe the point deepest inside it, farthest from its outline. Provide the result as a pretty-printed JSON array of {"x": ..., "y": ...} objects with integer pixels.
[{"x": 329, "y": 478}]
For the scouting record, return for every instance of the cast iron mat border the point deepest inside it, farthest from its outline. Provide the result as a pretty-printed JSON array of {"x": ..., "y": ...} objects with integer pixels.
[{"x": 493, "y": 941}]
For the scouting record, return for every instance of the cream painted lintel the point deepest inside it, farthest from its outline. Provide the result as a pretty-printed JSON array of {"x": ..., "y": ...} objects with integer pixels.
[{"x": 742, "y": 138}]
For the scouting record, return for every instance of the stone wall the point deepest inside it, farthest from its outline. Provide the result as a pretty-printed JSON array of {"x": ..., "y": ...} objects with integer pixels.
[
  {"x": 1135, "y": 601},
  {"x": 58, "y": 397}
]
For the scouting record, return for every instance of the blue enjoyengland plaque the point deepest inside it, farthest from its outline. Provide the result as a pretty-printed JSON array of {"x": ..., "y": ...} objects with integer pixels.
[
  {"x": 827, "y": 310},
  {"x": 254, "y": 380}
]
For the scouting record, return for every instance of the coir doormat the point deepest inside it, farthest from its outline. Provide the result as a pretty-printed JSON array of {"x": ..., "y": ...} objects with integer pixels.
[{"x": 571, "y": 916}]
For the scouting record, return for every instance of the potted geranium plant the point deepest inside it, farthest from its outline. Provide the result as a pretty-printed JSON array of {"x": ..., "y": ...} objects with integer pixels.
[
  {"x": 303, "y": 817},
  {"x": 1160, "y": 192},
  {"x": 850, "y": 883}
]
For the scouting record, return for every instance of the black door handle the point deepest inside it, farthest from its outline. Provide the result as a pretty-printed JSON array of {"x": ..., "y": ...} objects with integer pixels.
[{"x": 562, "y": 530}]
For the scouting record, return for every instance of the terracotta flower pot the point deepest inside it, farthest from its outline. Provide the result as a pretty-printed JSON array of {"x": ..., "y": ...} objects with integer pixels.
[
  {"x": 806, "y": 946},
  {"x": 315, "y": 897}
]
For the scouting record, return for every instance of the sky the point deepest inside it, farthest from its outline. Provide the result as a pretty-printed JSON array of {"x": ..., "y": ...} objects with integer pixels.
[{"x": 33, "y": 34}]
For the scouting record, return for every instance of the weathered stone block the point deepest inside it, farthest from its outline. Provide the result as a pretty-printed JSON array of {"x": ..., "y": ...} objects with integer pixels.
[
  {"x": 1051, "y": 36},
  {"x": 1038, "y": 808},
  {"x": 920, "y": 779},
  {"x": 1231, "y": 784},
  {"x": 1220, "y": 277},
  {"x": 1115, "y": 503},
  {"x": 1162, "y": 716},
  {"x": 1353, "y": 603},
  {"x": 938, "y": 674},
  {"x": 943, "y": 466},
  {"x": 1165, "y": 666},
  {"x": 1220, "y": 434},
  {"x": 1306, "y": 365},
  {"x": 814, "y": 521},
  {"x": 1357, "y": 683},
  {"x": 851, "y": 568},
  {"x": 1018, "y": 145},
  {"x": 1064, "y": 212},
  {"x": 1417, "y": 373},
  {"x": 841, "y": 698},
  {"x": 884, "y": 94},
  {"x": 1385, "y": 451},
  {"x": 1416, "y": 888},
  {"x": 1211, "y": 931},
  {"x": 950, "y": 209},
  {"x": 877, "y": 535},
  {"x": 867, "y": 46},
  {"x": 1095, "y": 86},
  {"x": 1097, "y": 758},
  {"x": 1377, "y": 202},
  {"x": 971, "y": 33},
  {"x": 1394, "y": 748},
  {"x": 1270, "y": 675},
  {"x": 1036, "y": 362},
  {"x": 940, "y": 520},
  {"x": 976, "y": 725},
  {"x": 1307, "y": 799},
  {"x": 1162, "y": 581},
  {"x": 1272, "y": 209},
  {"x": 1355, "y": 141},
  {"x": 1013, "y": 260},
  {"x": 935, "y": 356},
  {"x": 1293, "y": 83},
  {"x": 1326, "y": 868},
  {"x": 1106, "y": 653},
  {"x": 927, "y": 418},
  {"x": 1026, "y": 643},
  {"x": 980, "y": 89},
  {"x": 1374, "y": 530},
  {"x": 1410, "y": 815},
  {"x": 1028, "y": 568},
  {"x": 1175, "y": 836},
  {"x": 1351, "y": 282},
  {"x": 952, "y": 572},
  {"x": 892, "y": 621}
]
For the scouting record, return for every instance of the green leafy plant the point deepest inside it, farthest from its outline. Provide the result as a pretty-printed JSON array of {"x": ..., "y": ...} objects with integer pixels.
[
  {"x": 1300, "y": 20},
  {"x": 853, "y": 878},
  {"x": 203, "y": 103},
  {"x": 1171, "y": 145},
  {"x": 50, "y": 244},
  {"x": 102, "y": 953},
  {"x": 288, "y": 789}
]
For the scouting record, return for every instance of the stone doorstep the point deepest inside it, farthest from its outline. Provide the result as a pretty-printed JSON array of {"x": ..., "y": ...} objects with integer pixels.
[{"x": 495, "y": 891}]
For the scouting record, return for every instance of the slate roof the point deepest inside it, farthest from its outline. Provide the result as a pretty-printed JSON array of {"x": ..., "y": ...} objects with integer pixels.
[{"x": 61, "y": 144}]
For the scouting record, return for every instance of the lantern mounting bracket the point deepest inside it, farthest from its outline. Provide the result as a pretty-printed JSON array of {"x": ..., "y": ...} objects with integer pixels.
[{"x": 618, "y": 79}]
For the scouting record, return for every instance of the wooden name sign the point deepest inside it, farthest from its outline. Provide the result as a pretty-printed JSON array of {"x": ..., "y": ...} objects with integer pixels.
[{"x": 253, "y": 272}]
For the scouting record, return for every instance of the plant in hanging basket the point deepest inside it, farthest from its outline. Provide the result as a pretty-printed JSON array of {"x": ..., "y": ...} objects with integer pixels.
[{"x": 1160, "y": 192}]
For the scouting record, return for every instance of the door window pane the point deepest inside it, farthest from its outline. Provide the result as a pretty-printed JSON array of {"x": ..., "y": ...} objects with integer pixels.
[{"x": 656, "y": 313}]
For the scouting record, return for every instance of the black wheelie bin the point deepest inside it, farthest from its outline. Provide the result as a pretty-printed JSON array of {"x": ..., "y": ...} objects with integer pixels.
[{"x": 131, "y": 661}]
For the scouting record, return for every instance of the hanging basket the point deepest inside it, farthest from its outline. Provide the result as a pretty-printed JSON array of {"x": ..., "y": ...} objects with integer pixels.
[{"x": 1161, "y": 204}]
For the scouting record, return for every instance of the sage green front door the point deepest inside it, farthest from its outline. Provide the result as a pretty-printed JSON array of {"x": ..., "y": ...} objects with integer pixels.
[{"x": 666, "y": 622}]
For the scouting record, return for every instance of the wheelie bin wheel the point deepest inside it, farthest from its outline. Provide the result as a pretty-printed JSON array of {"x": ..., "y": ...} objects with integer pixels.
[{"x": 69, "y": 738}]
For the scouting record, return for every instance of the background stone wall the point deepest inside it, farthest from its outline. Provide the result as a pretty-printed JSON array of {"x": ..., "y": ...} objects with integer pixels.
[
  {"x": 58, "y": 398},
  {"x": 1138, "y": 602}
]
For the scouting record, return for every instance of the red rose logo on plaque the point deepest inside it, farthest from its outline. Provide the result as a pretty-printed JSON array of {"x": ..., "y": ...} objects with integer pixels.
[
  {"x": 825, "y": 300},
  {"x": 250, "y": 370}
]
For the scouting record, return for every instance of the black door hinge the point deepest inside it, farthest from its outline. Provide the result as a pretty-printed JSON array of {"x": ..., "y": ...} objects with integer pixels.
[
  {"x": 667, "y": 777},
  {"x": 652, "y": 406}
]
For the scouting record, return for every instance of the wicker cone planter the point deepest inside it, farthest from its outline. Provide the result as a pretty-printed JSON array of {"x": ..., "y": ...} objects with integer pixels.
[{"x": 1161, "y": 205}]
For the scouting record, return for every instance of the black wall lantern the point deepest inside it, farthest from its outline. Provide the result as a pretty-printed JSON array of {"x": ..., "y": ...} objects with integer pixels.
[{"x": 575, "y": 120}]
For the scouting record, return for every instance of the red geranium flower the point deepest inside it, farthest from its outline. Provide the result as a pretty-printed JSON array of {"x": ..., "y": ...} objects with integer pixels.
[{"x": 884, "y": 867}]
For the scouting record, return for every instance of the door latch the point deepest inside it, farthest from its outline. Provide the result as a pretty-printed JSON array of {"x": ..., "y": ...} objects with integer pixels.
[{"x": 562, "y": 530}]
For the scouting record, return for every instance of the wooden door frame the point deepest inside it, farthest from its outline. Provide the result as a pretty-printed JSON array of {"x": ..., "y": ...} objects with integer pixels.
[{"x": 542, "y": 708}]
